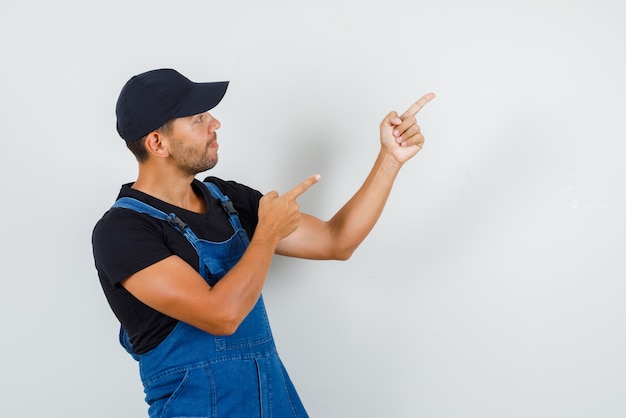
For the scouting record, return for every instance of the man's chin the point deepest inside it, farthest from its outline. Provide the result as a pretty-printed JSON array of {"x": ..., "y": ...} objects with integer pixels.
[{"x": 208, "y": 166}]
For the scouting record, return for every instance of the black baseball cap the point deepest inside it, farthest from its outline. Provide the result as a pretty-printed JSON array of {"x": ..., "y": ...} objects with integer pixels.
[{"x": 148, "y": 100}]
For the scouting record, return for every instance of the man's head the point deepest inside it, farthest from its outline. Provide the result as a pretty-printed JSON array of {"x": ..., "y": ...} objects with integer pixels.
[{"x": 148, "y": 101}]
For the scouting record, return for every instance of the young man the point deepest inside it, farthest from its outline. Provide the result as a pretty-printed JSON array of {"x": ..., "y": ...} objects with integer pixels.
[{"x": 182, "y": 263}]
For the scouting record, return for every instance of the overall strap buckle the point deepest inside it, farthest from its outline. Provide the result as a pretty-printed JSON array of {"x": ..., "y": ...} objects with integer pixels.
[
  {"x": 177, "y": 222},
  {"x": 229, "y": 207}
]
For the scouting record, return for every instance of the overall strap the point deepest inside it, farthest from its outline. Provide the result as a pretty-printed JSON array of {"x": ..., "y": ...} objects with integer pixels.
[
  {"x": 141, "y": 207},
  {"x": 175, "y": 221},
  {"x": 233, "y": 215}
]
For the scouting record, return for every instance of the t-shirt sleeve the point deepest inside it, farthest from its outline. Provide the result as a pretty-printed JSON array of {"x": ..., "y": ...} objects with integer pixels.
[{"x": 125, "y": 242}]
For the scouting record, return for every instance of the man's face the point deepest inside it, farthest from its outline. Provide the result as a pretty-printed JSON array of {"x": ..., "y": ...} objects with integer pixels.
[{"x": 193, "y": 143}]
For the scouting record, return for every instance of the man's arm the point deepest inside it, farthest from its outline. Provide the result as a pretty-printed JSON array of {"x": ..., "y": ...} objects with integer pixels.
[
  {"x": 174, "y": 288},
  {"x": 401, "y": 139}
]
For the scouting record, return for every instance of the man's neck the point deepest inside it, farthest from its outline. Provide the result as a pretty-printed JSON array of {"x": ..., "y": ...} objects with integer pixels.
[{"x": 173, "y": 189}]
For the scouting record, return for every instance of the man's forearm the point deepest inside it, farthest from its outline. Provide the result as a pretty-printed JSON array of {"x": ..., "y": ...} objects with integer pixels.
[
  {"x": 237, "y": 293},
  {"x": 353, "y": 222}
]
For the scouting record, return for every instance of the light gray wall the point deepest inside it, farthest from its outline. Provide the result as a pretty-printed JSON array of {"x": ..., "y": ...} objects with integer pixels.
[{"x": 493, "y": 285}]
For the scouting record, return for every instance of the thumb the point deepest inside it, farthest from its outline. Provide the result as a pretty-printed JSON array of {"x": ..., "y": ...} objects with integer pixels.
[{"x": 391, "y": 119}]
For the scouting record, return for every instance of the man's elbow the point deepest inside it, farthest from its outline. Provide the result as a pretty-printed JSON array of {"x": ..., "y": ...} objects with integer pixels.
[
  {"x": 225, "y": 329},
  {"x": 343, "y": 254},
  {"x": 225, "y": 325}
]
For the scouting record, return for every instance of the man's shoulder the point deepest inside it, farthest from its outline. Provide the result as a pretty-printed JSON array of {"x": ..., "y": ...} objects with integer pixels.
[
  {"x": 234, "y": 190},
  {"x": 119, "y": 220},
  {"x": 226, "y": 183}
]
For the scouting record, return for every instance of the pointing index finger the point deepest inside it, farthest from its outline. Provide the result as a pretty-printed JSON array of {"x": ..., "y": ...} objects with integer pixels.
[
  {"x": 417, "y": 106},
  {"x": 302, "y": 187}
]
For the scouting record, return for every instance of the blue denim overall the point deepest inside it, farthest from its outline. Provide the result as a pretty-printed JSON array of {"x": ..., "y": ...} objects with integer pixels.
[{"x": 195, "y": 374}]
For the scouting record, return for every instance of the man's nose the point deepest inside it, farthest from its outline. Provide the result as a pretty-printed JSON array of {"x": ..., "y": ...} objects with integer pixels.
[{"x": 215, "y": 124}]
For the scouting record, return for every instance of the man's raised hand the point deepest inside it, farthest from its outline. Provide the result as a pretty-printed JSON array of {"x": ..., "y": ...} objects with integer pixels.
[{"x": 401, "y": 135}]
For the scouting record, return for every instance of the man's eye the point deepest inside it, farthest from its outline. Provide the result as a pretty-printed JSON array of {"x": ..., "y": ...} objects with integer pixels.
[{"x": 200, "y": 117}]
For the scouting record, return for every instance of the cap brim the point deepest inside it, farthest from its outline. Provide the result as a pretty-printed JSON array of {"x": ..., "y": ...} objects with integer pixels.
[{"x": 202, "y": 98}]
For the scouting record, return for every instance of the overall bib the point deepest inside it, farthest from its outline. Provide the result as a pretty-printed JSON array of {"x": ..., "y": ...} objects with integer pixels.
[{"x": 195, "y": 374}]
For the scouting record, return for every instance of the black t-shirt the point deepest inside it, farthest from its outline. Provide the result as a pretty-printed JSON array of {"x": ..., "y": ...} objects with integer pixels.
[{"x": 125, "y": 242}]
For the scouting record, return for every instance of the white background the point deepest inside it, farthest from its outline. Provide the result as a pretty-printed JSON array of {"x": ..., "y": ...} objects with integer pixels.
[{"x": 492, "y": 286}]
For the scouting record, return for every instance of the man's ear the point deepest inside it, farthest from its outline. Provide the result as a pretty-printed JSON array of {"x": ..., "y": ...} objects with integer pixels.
[{"x": 156, "y": 144}]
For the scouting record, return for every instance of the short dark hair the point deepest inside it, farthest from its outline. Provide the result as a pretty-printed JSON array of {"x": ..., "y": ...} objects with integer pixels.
[{"x": 138, "y": 146}]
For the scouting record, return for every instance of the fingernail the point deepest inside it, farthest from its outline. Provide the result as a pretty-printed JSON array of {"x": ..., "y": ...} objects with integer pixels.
[{"x": 396, "y": 132}]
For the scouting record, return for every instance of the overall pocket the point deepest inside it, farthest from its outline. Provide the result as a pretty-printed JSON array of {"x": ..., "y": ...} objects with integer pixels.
[{"x": 182, "y": 394}]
